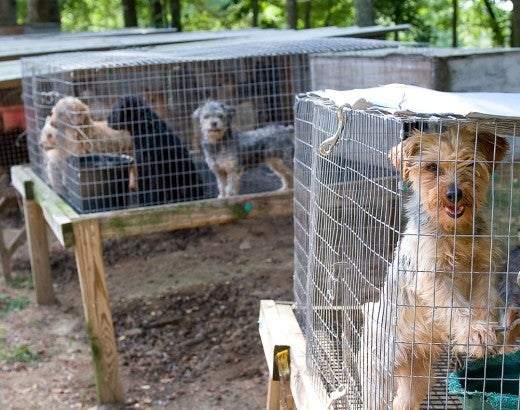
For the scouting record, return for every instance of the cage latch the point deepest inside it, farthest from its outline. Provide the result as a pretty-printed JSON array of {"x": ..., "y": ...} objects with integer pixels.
[
  {"x": 337, "y": 394},
  {"x": 327, "y": 145}
]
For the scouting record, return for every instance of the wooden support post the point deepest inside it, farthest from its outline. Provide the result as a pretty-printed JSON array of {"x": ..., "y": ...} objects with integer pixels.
[
  {"x": 91, "y": 270},
  {"x": 7, "y": 250},
  {"x": 8, "y": 200},
  {"x": 36, "y": 229},
  {"x": 273, "y": 394}
]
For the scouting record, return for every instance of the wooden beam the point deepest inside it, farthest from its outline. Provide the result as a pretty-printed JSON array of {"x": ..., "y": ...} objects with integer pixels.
[
  {"x": 57, "y": 212},
  {"x": 192, "y": 214},
  {"x": 91, "y": 271}
]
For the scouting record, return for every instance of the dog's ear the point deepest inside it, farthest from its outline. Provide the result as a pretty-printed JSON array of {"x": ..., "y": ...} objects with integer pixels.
[
  {"x": 196, "y": 114},
  {"x": 230, "y": 111},
  {"x": 405, "y": 149},
  {"x": 493, "y": 147}
]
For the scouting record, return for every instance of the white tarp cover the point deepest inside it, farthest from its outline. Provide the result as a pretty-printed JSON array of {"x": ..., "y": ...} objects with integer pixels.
[{"x": 400, "y": 98}]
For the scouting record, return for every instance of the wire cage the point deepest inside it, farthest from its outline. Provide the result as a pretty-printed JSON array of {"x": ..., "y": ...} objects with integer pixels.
[
  {"x": 406, "y": 254},
  {"x": 109, "y": 130},
  {"x": 13, "y": 148}
]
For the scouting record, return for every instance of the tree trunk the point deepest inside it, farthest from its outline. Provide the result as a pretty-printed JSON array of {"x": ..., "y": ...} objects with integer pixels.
[
  {"x": 454, "y": 23},
  {"x": 291, "y": 14},
  {"x": 254, "y": 7},
  {"x": 43, "y": 14},
  {"x": 515, "y": 24},
  {"x": 176, "y": 14},
  {"x": 307, "y": 15},
  {"x": 365, "y": 13},
  {"x": 130, "y": 13},
  {"x": 398, "y": 17},
  {"x": 156, "y": 11},
  {"x": 498, "y": 37},
  {"x": 7, "y": 13}
]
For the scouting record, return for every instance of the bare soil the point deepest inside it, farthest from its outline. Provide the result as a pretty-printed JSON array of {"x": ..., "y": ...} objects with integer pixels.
[{"x": 185, "y": 307}]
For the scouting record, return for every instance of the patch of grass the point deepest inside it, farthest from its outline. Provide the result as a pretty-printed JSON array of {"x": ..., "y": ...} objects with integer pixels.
[
  {"x": 15, "y": 354},
  {"x": 8, "y": 304},
  {"x": 21, "y": 282},
  {"x": 18, "y": 354}
]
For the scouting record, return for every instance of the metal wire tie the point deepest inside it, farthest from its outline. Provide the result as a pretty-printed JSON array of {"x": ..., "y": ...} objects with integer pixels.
[{"x": 327, "y": 145}]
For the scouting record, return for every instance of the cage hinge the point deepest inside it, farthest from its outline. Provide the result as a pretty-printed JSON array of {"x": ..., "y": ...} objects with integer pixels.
[{"x": 327, "y": 145}]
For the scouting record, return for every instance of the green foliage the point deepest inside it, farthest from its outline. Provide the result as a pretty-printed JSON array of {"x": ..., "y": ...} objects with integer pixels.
[
  {"x": 324, "y": 13},
  {"x": 18, "y": 354},
  {"x": 21, "y": 282},
  {"x": 8, "y": 304},
  {"x": 15, "y": 354},
  {"x": 91, "y": 15},
  {"x": 430, "y": 20}
]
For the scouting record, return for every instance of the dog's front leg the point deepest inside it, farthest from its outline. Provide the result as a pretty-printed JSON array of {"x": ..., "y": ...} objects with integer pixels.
[
  {"x": 221, "y": 183},
  {"x": 471, "y": 322},
  {"x": 233, "y": 184}
]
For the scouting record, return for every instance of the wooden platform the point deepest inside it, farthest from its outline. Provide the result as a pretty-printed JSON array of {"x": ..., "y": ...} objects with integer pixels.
[
  {"x": 85, "y": 233},
  {"x": 279, "y": 331}
]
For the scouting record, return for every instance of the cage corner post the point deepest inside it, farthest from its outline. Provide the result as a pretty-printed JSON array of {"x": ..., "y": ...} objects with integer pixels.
[{"x": 98, "y": 316}]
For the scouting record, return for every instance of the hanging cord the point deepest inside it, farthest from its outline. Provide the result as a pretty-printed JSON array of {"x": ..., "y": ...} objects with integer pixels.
[{"x": 327, "y": 145}]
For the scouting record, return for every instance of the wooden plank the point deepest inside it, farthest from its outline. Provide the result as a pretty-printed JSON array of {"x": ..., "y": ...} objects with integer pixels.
[
  {"x": 192, "y": 214},
  {"x": 10, "y": 74},
  {"x": 38, "y": 252},
  {"x": 57, "y": 212},
  {"x": 278, "y": 326},
  {"x": 91, "y": 272}
]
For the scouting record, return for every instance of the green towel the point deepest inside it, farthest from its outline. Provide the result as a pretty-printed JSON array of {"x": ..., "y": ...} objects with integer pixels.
[{"x": 494, "y": 382}]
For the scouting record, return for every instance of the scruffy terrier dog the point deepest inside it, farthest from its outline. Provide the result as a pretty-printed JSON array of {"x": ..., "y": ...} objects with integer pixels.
[
  {"x": 509, "y": 290},
  {"x": 79, "y": 134},
  {"x": 229, "y": 154},
  {"x": 440, "y": 290},
  {"x": 70, "y": 130}
]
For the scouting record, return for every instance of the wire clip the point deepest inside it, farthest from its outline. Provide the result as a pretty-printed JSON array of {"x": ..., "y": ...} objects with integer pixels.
[{"x": 327, "y": 145}]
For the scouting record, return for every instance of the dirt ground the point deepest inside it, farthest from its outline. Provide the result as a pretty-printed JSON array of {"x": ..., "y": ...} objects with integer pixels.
[{"x": 185, "y": 307}]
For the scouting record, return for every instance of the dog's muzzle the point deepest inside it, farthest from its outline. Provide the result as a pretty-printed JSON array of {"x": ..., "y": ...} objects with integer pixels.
[{"x": 454, "y": 195}]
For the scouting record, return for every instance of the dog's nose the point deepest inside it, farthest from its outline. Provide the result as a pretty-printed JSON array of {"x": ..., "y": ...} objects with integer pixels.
[{"x": 453, "y": 194}]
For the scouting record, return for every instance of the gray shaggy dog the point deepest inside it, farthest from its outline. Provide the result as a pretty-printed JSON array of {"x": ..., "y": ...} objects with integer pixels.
[{"x": 229, "y": 154}]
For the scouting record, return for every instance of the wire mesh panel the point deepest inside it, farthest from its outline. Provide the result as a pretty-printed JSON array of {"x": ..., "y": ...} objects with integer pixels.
[
  {"x": 109, "y": 130},
  {"x": 13, "y": 147},
  {"x": 406, "y": 257}
]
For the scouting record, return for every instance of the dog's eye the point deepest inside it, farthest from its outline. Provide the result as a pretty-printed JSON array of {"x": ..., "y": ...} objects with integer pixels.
[{"x": 432, "y": 168}]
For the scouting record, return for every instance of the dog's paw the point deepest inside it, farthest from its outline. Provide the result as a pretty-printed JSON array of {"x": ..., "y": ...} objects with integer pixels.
[{"x": 479, "y": 341}]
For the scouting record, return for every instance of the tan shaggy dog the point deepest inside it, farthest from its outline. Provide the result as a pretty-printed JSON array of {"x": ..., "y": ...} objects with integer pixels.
[
  {"x": 440, "y": 290},
  {"x": 70, "y": 130}
]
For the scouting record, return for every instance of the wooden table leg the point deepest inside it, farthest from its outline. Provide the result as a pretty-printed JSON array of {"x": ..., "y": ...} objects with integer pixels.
[
  {"x": 273, "y": 395},
  {"x": 91, "y": 270},
  {"x": 36, "y": 229}
]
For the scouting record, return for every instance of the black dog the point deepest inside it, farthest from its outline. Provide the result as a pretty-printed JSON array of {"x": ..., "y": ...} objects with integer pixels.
[{"x": 165, "y": 170}]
